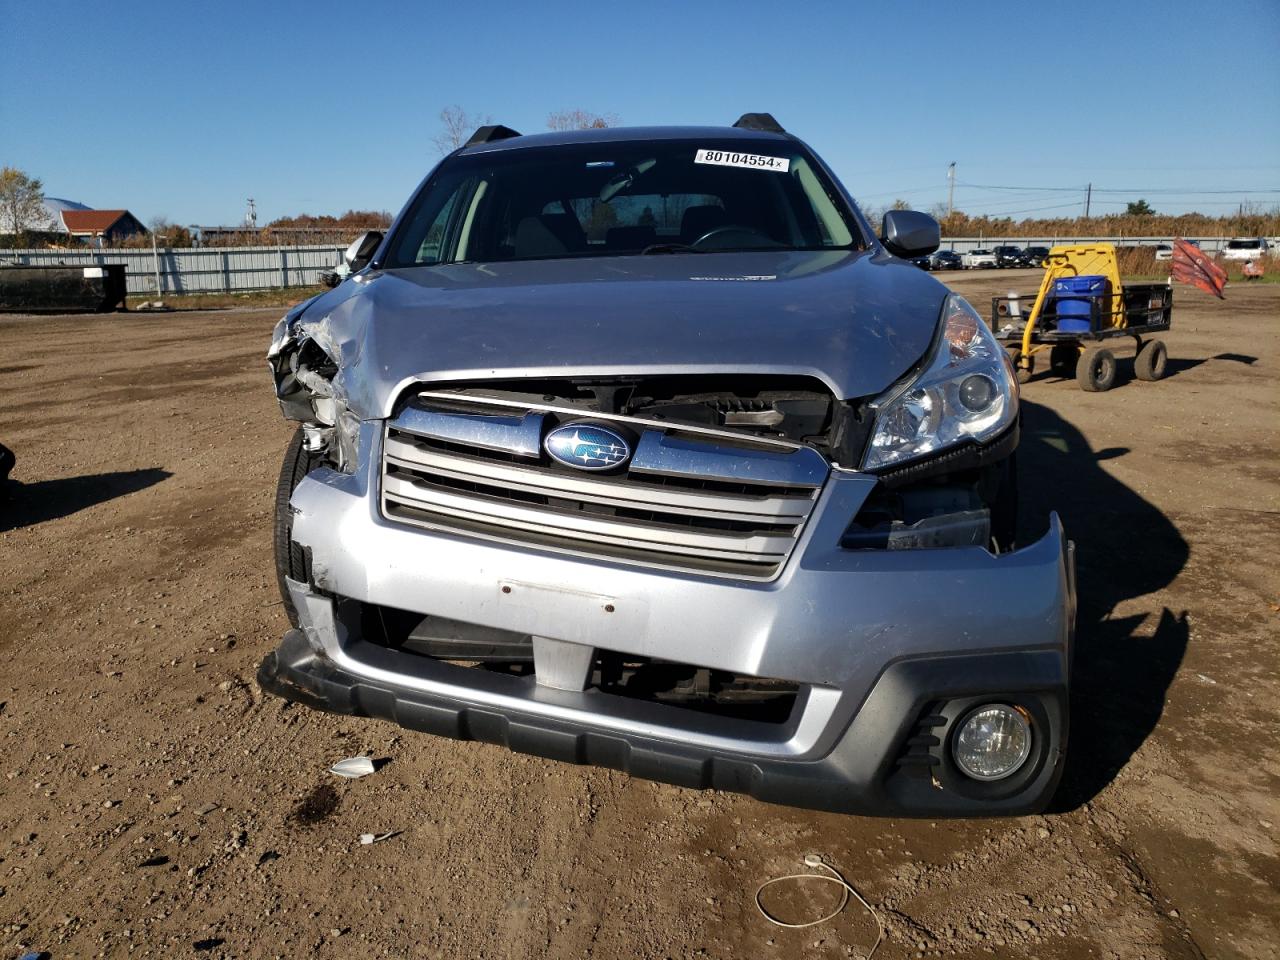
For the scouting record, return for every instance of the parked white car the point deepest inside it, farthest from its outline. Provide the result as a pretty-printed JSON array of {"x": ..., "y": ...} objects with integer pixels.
[
  {"x": 1246, "y": 248},
  {"x": 1164, "y": 251},
  {"x": 979, "y": 258}
]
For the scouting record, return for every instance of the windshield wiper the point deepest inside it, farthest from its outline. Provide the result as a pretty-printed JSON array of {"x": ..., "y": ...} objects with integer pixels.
[{"x": 670, "y": 248}]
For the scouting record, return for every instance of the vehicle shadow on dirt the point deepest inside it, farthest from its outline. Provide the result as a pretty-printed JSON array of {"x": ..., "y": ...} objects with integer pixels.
[
  {"x": 26, "y": 504},
  {"x": 1125, "y": 547}
]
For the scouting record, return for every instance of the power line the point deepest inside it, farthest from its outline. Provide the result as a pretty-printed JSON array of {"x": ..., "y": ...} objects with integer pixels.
[
  {"x": 988, "y": 186},
  {"x": 1009, "y": 213},
  {"x": 895, "y": 193},
  {"x": 1010, "y": 203},
  {"x": 1153, "y": 191}
]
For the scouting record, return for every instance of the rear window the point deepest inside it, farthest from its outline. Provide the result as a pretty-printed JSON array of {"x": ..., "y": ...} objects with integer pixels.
[
  {"x": 622, "y": 198},
  {"x": 1244, "y": 244}
]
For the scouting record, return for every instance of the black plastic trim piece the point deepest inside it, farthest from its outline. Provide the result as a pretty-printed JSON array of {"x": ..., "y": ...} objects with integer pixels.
[
  {"x": 759, "y": 121},
  {"x": 967, "y": 457},
  {"x": 489, "y": 134},
  {"x": 860, "y": 775}
]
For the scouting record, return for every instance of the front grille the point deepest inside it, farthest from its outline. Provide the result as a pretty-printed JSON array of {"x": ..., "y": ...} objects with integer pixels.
[{"x": 693, "y": 499}]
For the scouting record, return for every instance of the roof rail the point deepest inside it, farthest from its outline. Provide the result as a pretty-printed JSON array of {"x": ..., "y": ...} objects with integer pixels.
[
  {"x": 491, "y": 133},
  {"x": 759, "y": 121}
]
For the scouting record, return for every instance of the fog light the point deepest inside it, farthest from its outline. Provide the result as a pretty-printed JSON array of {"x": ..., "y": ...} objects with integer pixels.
[{"x": 993, "y": 742}]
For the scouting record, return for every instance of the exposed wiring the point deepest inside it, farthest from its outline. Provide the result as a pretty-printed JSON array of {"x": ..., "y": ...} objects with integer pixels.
[{"x": 846, "y": 890}]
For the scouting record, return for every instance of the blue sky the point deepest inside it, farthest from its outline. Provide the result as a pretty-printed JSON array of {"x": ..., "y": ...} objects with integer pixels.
[{"x": 185, "y": 110}]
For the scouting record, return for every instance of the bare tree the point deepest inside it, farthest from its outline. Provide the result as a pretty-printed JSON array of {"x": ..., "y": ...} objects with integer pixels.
[
  {"x": 173, "y": 234},
  {"x": 21, "y": 202},
  {"x": 457, "y": 125},
  {"x": 580, "y": 120}
]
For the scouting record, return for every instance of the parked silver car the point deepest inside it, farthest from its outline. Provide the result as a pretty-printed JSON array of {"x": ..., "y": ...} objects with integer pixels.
[{"x": 637, "y": 447}]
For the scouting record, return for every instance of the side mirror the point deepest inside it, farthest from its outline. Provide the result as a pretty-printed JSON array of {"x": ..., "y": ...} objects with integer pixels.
[
  {"x": 362, "y": 250},
  {"x": 910, "y": 233}
]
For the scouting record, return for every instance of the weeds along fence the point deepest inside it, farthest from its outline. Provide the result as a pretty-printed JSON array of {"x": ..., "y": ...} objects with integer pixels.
[{"x": 199, "y": 269}]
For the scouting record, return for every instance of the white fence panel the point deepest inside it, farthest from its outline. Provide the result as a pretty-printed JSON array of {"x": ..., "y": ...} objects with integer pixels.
[{"x": 198, "y": 270}]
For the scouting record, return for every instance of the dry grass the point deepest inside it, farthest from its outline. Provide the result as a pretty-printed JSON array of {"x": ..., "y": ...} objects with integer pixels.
[
  {"x": 1249, "y": 223},
  {"x": 1140, "y": 263},
  {"x": 282, "y": 297}
]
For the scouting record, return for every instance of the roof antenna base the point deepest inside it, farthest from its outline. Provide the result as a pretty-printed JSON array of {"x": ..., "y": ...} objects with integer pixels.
[
  {"x": 759, "y": 121},
  {"x": 491, "y": 133}
]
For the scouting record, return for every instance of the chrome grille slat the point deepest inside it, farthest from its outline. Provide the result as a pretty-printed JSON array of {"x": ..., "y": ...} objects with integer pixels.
[
  {"x": 471, "y": 472},
  {"x": 678, "y": 455},
  {"x": 764, "y": 508},
  {"x": 519, "y": 520},
  {"x": 521, "y": 435},
  {"x": 513, "y": 513}
]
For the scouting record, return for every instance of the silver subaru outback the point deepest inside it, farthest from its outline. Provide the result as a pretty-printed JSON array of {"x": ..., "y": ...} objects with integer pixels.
[{"x": 639, "y": 448}]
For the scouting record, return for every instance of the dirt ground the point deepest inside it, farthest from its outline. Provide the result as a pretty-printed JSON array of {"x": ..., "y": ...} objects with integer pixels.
[{"x": 153, "y": 801}]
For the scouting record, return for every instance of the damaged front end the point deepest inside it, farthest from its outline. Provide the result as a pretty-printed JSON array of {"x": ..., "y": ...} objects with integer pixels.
[{"x": 306, "y": 362}]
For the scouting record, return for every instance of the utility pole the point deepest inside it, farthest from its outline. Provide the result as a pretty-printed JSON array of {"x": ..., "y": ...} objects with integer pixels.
[
  {"x": 951, "y": 189},
  {"x": 1088, "y": 199}
]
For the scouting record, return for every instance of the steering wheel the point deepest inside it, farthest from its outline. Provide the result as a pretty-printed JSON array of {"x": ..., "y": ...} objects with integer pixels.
[{"x": 751, "y": 235}]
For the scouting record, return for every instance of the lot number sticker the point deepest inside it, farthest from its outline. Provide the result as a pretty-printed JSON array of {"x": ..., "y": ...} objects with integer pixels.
[{"x": 751, "y": 161}]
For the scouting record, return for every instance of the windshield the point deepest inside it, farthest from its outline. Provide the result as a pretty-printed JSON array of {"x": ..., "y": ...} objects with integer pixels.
[
  {"x": 617, "y": 199},
  {"x": 1244, "y": 244}
]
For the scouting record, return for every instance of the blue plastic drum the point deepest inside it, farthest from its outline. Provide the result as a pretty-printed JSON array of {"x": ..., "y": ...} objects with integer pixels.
[{"x": 1073, "y": 299}]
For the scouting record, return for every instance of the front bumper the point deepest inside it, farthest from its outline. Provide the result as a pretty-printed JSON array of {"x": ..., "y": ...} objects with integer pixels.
[{"x": 889, "y": 649}]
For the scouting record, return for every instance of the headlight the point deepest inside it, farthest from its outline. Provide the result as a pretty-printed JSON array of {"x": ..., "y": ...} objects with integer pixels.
[
  {"x": 306, "y": 375},
  {"x": 966, "y": 392},
  {"x": 993, "y": 742}
]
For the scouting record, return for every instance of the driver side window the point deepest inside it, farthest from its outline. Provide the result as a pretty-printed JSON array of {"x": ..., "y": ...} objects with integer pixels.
[
  {"x": 433, "y": 240},
  {"x": 433, "y": 223}
]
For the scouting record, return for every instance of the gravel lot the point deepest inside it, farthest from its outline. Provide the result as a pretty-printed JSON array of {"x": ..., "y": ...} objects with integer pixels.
[{"x": 153, "y": 801}]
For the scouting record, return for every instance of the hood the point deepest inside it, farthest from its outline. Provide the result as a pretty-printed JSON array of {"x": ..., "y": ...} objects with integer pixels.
[{"x": 855, "y": 320}]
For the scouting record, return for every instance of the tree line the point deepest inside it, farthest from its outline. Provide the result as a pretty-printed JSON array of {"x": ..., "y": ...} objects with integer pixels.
[{"x": 1139, "y": 219}]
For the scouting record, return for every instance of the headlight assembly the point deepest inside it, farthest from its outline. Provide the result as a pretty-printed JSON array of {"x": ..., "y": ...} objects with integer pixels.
[
  {"x": 305, "y": 375},
  {"x": 965, "y": 392}
]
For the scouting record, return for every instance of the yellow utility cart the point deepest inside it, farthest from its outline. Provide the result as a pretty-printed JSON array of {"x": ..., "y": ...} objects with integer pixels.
[{"x": 1081, "y": 306}]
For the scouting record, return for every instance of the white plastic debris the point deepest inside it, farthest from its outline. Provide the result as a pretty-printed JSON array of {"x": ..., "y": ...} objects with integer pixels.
[
  {"x": 368, "y": 838},
  {"x": 353, "y": 767}
]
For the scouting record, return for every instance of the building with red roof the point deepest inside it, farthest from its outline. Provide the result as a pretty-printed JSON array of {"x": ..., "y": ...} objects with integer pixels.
[{"x": 99, "y": 227}]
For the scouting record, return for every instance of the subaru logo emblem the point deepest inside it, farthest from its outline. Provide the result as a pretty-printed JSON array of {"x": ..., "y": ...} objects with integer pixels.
[{"x": 586, "y": 446}]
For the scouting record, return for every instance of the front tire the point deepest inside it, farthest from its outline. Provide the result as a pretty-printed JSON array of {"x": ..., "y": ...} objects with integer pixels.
[
  {"x": 1096, "y": 371},
  {"x": 1024, "y": 367},
  {"x": 291, "y": 561},
  {"x": 1151, "y": 360}
]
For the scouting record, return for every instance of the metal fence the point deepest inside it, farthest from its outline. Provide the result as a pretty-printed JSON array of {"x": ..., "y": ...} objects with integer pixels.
[
  {"x": 198, "y": 270},
  {"x": 229, "y": 269}
]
